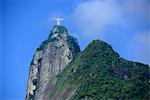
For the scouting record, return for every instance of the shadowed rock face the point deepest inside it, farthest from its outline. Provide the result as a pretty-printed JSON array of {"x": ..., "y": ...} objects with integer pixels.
[
  {"x": 49, "y": 60},
  {"x": 122, "y": 73}
]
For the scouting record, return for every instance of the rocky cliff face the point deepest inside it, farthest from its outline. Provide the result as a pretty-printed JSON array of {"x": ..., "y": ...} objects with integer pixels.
[
  {"x": 49, "y": 60},
  {"x": 97, "y": 73}
]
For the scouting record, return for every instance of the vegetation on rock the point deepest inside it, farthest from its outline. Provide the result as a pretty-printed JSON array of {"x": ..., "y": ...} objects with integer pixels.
[
  {"x": 44, "y": 43},
  {"x": 55, "y": 30},
  {"x": 73, "y": 45}
]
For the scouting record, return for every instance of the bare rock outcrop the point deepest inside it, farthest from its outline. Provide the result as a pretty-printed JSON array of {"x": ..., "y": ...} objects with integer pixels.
[{"x": 50, "y": 59}]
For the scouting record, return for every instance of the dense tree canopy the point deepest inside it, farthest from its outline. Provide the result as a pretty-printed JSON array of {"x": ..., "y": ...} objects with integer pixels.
[{"x": 100, "y": 73}]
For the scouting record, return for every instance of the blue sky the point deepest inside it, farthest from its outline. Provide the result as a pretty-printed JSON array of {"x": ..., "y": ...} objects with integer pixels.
[{"x": 25, "y": 24}]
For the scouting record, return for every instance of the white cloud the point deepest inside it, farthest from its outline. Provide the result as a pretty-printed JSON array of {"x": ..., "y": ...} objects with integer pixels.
[
  {"x": 136, "y": 12},
  {"x": 141, "y": 47},
  {"x": 93, "y": 17}
]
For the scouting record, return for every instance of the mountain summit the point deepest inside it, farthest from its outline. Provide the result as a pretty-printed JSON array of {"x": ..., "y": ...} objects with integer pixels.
[
  {"x": 99, "y": 73},
  {"x": 53, "y": 55},
  {"x": 59, "y": 71}
]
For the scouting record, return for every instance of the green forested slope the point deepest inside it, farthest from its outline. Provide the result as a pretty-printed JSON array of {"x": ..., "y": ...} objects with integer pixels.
[{"x": 99, "y": 73}]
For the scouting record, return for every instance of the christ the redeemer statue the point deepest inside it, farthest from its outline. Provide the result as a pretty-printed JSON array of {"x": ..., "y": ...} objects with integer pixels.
[{"x": 58, "y": 20}]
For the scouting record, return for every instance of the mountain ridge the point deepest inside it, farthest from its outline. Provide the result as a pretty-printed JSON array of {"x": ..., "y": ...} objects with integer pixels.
[
  {"x": 60, "y": 71},
  {"x": 88, "y": 76}
]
